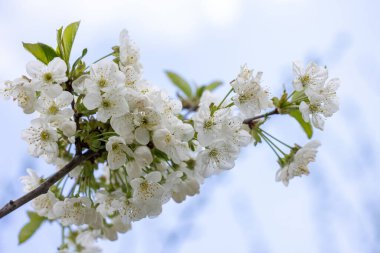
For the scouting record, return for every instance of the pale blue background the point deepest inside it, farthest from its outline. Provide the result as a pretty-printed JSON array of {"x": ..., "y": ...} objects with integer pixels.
[{"x": 335, "y": 209}]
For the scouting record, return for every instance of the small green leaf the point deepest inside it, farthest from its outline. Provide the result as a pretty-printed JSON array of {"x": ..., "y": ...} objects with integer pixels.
[
  {"x": 31, "y": 227},
  {"x": 306, "y": 126},
  {"x": 181, "y": 83},
  {"x": 199, "y": 91},
  {"x": 214, "y": 85},
  {"x": 68, "y": 38},
  {"x": 59, "y": 42},
  {"x": 42, "y": 52},
  {"x": 78, "y": 61}
]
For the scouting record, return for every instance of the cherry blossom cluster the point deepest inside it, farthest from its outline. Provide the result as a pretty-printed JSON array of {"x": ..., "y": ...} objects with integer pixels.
[{"x": 148, "y": 147}]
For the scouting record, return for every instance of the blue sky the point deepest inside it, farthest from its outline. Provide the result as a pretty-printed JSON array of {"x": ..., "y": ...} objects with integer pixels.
[{"x": 335, "y": 209}]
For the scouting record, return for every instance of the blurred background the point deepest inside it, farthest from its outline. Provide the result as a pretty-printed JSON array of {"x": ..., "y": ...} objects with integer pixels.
[{"x": 335, "y": 209}]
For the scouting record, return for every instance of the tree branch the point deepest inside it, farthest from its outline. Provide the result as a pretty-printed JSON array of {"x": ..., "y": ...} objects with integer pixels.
[
  {"x": 250, "y": 121},
  {"x": 44, "y": 187}
]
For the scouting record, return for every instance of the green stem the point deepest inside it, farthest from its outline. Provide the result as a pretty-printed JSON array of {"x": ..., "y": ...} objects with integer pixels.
[
  {"x": 291, "y": 94},
  {"x": 273, "y": 149},
  {"x": 103, "y": 57},
  {"x": 274, "y": 145},
  {"x": 283, "y": 143},
  {"x": 224, "y": 99}
]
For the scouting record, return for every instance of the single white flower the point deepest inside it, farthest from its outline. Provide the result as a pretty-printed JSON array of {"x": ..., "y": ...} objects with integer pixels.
[
  {"x": 296, "y": 163},
  {"x": 188, "y": 187},
  {"x": 313, "y": 77},
  {"x": 315, "y": 111},
  {"x": 88, "y": 237},
  {"x": 209, "y": 126},
  {"x": 129, "y": 53},
  {"x": 149, "y": 193},
  {"x": 104, "y": 75},
  {"x": 139, "y": 159},
  {"x": 31, "y": 181},
  {"x": 22, "y": 91},
  {"x": 109, "y": 104},
  {"x": 43, "y": 205},
  {"x": 124, "y": 127},
  {"x": 116, "y": 148},
  {"x": 145, "y": 121},
  {"x": 48, "y": 78},
  {"x": 105, "y": 201},
  {"x": 55, "y": 109},
  {"x": 216, "y": 157},
  {"x": 171, "y": 142},
  {"x": 42, "y": 140},
  {"x": 250, "y": 97},
  {"x": 74, "y": 211}
]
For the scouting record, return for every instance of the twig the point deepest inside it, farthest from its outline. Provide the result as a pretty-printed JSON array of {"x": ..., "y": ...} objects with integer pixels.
[
  {"x": 44, "y": 187},
  {"x": 249, "y": 121}
]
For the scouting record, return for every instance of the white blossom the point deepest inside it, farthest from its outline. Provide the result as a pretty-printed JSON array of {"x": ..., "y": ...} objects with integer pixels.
[
  {"x": 44, "y": 203},
  {"x": 55, "y": 109},
  {"x": 216, "y": 157},
  {"x": 173, "y": 140},
  {"x": 22, "y": 91},
  {"x": 313, "y": 77},
  {"x": 140, "y": 158},
  {"x": 31, "y": 181},
  {"x": 42, "y": 140},
  {"x": 110, "y": 104},
  {"x": 250, "y": 97},
  {"x": 149, "y": 193},
  {"x": 74, "y": 211},
  {"x": 296, "y": 164},
  {"x": 209, "y": 126},
  {"x": 104, "y": 75},
  {"x": 129, "y": 57},
  {"x": 48, "y": 78},
  {"x": 116, "y": 148}
]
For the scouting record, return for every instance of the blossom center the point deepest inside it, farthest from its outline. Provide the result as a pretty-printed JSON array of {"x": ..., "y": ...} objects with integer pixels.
[
  {"x": 102, "y": 83},
  {"x": 45, "y": 135},
  {"x": 47, "y": 77},
  {"x": 305, "y": 79},
  {"x": 106, "y": 104},
  {"x": 208, "y": 124},
  {"x": 53, "y": 110}
]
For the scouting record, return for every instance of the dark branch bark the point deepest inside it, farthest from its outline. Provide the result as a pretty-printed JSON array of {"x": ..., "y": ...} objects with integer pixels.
[
  {"x": 250, "y": 121},
  {"x": 44, "y": 187}
]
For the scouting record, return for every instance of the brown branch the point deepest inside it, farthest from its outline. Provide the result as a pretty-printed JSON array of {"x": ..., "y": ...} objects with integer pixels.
[
  {"x": 250, "y": 121},
  {"x": 44, "y": 187}
]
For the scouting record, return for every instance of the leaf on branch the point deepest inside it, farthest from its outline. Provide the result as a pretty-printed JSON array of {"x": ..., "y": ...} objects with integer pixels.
[
  {"x": 181, "y": 83},
  {"x": 31, "y": 227},
  {"x": 68, "y": 38},
  {"x": 306, "y": 126},
  {"x": 212, "y": 86},
  {"x": 42, "y": 52}
]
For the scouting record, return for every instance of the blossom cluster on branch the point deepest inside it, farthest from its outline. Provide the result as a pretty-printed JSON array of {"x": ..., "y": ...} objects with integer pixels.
[{"x": 146, "y": 148}]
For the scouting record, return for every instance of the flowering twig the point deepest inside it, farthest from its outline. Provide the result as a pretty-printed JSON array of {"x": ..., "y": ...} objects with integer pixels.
[
  {"x": 44, "y": 187},
  {"x": 249, "y": 121}
]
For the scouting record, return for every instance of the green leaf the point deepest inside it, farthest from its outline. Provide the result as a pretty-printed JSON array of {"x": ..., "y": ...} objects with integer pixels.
[
  {"x": 199, "y": 91},
  {"x": 214, "y": 85},
  {"x": 68, "y": 38},
  {"x": 84, "y": 52},
  {"x": 42, "y": 52},
  {"x": 31, "y": 227},
  {"x": 306, "y": 126},
  {"x": 59, "y": 42},
  {"x": 181, "y": 83}
]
